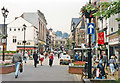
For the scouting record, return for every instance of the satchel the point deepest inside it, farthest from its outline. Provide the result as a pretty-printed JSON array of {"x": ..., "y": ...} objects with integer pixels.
[
  {"x": 21, "y": 68},
  {"x": 37, "y": 62}
]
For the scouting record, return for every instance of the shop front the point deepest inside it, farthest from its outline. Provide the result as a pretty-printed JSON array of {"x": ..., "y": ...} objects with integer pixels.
[
  {"x": 30, "y": 49},
  {"x": 114, "y": 45},
  {"x": 41, "y": 46}
]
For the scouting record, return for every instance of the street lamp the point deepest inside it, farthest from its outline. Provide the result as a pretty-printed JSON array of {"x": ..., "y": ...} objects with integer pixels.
[
  {"x": 5, "y": 14},
  {"x": 24, "y": 27},
  {"x": 73, "y": 30}
]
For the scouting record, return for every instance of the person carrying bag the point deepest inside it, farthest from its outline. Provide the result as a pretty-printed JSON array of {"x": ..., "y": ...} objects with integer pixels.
[
  {"x": 35, "y": 56},
  {"x": 17, "y": 60}
]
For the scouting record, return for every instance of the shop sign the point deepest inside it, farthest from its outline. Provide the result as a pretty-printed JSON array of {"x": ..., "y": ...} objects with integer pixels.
[{"x": 101, "y": 38}]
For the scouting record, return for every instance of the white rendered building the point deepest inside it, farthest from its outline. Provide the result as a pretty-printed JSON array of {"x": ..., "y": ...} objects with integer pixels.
[{"x": 15, "y": 37}]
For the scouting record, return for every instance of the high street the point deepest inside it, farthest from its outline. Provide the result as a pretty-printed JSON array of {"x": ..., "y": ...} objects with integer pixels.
[{"x": 42, "y": 73}]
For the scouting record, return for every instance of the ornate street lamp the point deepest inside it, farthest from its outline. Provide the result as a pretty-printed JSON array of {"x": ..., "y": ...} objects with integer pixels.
[
  {"x": 24, "y": 28},
  {"x": 5, "y": 14},
  {"x": 73, "y": 30}
]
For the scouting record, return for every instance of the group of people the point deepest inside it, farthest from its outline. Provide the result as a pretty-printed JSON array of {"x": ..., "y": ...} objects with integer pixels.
[
  {"x": 17, "y": 60},
  {"x": 103, "y": 64}
]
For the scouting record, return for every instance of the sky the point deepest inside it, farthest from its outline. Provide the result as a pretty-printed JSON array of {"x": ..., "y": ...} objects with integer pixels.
[{"x": 58, "y": 13}]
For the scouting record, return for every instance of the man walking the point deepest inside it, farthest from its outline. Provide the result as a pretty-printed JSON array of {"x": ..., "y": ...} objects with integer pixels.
[
  {"x": 105, "y": 60},
  {"x": 17, "y": 59},
  {"x": 35, "y": 56}
]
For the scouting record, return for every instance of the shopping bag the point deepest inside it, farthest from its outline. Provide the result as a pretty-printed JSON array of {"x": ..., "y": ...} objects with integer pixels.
[
  {"x": 21, "y": 68},
  {"x": 37, "y": 62}
]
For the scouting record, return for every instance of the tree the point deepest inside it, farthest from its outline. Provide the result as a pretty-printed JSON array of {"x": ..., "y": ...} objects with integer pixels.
[
  {"x": 108, "y": 9},
  {"x": 59, "y": 33},
  {"x": 65, "y": 35}
]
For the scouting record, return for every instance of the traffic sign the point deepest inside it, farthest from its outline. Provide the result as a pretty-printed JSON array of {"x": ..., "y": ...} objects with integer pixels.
[{"x": 90, "y": 28}]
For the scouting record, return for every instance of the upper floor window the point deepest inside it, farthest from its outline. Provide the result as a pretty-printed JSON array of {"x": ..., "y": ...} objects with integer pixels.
[
  {"x": 111, "y": 29},
  {"x": 10, "y": 29},
  {"x": 14, "y": 39},
  {"x": 18, "y": 29},
  {"x": 14, "y": 29}
]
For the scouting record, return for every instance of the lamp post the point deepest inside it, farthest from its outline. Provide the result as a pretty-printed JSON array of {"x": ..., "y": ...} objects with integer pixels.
[
  {"x": 73, "y": 39},
  {"x": 24, "y": 27},
  {"x": 89, "y": 52},
  {"x": 5, "y": 14}
]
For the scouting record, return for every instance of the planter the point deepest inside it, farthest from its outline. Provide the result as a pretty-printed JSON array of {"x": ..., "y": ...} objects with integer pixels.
[
  {"x": 7, "y": 69},
  {"x": 76, "y": 69}
]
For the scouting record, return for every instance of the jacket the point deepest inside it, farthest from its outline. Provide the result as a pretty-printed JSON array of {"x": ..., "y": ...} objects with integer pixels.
[
  {"x": 17, "y": 58},
  {"x": 35, "y": 56}
]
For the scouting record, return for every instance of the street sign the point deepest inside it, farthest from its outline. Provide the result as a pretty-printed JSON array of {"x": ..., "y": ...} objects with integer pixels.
[{"x": 90, "y": 28}]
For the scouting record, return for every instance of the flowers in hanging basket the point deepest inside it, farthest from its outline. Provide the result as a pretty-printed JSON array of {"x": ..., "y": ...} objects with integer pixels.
[
  {"x": 3, "y": 36},
  {"x": 73, "y": 42},
  {"x": 85, "y": 10}
]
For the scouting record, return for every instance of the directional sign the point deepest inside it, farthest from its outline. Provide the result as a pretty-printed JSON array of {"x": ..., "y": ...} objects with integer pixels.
[{"x": 90, "y": 28}]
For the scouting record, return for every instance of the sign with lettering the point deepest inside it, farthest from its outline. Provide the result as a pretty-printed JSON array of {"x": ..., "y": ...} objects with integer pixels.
[{"x": 101, "y": 38}]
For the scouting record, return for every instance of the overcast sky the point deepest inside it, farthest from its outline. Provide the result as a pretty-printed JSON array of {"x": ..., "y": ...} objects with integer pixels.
[{"x": 58, "y": 13}]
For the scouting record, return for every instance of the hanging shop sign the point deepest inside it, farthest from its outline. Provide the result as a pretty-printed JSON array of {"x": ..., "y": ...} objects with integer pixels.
[{"x": 101, "y": 38}]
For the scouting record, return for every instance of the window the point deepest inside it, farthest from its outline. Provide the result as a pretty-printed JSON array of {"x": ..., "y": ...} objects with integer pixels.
[
  {"x": 111, "y": 29},
  {"x": 22, "y": 29},
  {"x": 18, "y": 29},
  {"x": 14, "y": 39},
  {"x": 118, "y": 26},
  {"x": 14, "y": 29},
  {"x": 10, "y": 29}
]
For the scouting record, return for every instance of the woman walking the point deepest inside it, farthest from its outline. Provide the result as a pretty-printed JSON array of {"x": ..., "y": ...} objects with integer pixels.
[
  {"x": 112, "y": 62},
  {"x": 51, "y": 59},
  {"x": 35, "y": 56},
  {"x": 41, "y": 57},
  {"x": 26, "y": 56}
]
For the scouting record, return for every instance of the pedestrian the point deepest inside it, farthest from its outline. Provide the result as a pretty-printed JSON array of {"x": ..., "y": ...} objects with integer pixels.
[
  {"x": 112, "y": 62},
  {"x": 101, "y": 59},
  {"x": 26, "y": 56},
  {"x": 41, "y": 58},
  {"x": 51, "y": 59},
  {"x": 76, "y": 56},
  {"x": 105, "y": 61},
  {"x": 94, "y": 59},
  {"x": 58, "y": 54},
  {"x": 100, "y": 72},
  {"x": 17, "y": 60},
  {"x": 35, "y": 57}
]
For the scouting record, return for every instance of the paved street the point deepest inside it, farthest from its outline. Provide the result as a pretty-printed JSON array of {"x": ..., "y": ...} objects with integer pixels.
[{"x": 42, "y": 73}]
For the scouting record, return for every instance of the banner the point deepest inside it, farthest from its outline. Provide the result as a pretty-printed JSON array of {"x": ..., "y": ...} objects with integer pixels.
[{"x": 101, "y": 38}]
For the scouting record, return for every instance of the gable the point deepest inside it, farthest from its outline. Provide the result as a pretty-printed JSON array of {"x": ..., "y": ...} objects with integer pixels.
[{"x": 19, "y": 23}]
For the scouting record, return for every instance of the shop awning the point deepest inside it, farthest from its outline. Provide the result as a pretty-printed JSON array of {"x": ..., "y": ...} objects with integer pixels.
[
  {"x": 26, "y": 48},
  {"x": 42, "y": 42}
]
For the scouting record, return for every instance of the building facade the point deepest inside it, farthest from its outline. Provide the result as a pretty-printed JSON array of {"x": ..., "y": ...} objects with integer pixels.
[
  {"x": 16, "y": 34},
  {"x": 39, "y": 21}
]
